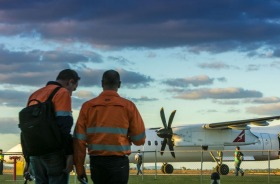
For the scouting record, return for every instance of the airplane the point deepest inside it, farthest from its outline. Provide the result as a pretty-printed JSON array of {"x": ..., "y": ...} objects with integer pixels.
[{"x": 186, "y": 142}]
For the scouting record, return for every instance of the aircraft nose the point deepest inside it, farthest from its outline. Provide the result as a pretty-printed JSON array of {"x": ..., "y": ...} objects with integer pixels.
[{"x": 164, "y": 133}]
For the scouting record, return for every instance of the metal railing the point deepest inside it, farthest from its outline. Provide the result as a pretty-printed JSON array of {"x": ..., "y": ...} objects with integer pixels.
[{"x": 261, "y": 170}]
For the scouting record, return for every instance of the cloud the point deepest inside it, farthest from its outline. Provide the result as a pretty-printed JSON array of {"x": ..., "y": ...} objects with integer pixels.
[
  {"x": 186, "y": 82},
  {"x": 217, "y": 66},
  {"x": 13, "y": 98},
  {"x": 218, "y": 93},
  {"x": 9, "y": 126},
  {"x": 227, "y": 102},
  {"x": 275, "y": 64},
  {"x": 143, "y": 99},
  {"x": 264, "y": 100},
  {"x": 132, "y": 79},
  {"x": 129, "y": 79},
  {"x": 253, "y": 67},
  {"x": 267, "y": 109},
  {"x": 121, "y": 60},
  {"x": 35, "y": 68},
  {"x": 84, "y": 94},
  {"x": 233, "y": 110},
  {"x": 217, "y": 26}
]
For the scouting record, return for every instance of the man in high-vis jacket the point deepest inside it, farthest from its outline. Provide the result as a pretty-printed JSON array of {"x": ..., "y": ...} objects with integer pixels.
[
  {"x": 1, "y": 162},
  {"x": 107, "y": 126},
  {"x": 54, "y": 168}
]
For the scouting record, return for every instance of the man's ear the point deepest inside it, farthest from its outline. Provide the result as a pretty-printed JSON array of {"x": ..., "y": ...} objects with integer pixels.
[
  {"x": 119, "y": 84},
  {"x": 102, "y": 84},
  {"x": 72, "y": 81}
]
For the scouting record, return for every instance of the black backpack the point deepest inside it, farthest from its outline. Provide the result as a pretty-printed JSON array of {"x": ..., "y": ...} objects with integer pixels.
[
  {"x": 40, "y": 133},
  {"x": 240, "y": 156}
]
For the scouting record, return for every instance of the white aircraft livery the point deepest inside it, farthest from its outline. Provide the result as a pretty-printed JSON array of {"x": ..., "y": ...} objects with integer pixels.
[{"x": 186, "y": 142}]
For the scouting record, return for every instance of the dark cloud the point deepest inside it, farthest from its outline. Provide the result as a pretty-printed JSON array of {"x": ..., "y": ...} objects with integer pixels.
[
  {"x": 9, "y": 126},
  {"x": 143, "y": 99},
  {"x": 222, "y": 79},
  {"x": 215, "y": 26},
  {"x": 121, "y": 60},
  {"x": 44, "y": 58},
  {"x": 13, "y": 98},
  {"x": 186, "y": 82},
  {"x": 130, "y": 79},
  {"x": 218, "y": 93},
  {"x": 35, "y": 68}
]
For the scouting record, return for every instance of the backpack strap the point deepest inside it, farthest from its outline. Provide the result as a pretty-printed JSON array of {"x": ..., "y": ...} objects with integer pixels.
[{"x": 53, "y": 93}]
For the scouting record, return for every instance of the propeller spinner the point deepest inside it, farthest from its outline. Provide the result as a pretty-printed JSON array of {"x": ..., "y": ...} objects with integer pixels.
[{"x": 166, "y": 133}]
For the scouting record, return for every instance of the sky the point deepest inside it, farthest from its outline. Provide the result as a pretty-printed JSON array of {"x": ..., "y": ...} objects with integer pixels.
[{"x": 212, "y": 61}]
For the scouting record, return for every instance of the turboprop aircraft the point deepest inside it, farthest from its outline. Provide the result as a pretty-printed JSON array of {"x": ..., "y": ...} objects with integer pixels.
[{"x": 185, "y": 143}]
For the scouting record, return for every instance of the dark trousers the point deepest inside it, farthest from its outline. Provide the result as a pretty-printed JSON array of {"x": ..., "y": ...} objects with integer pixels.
[
  {"x": 1, "y": 167},
  {"x": 48, "y": 169},
  {"x": 109, "y": 169},
  {"x": 237, "y": 168},
  {"x": 139, "y": 168}
]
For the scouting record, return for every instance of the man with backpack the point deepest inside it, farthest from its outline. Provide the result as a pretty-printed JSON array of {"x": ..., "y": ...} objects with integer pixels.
[
  {"x": 139, "y": 160},
  {"x": 238, "y": 158},
  {"x": 50, "y": 164}
]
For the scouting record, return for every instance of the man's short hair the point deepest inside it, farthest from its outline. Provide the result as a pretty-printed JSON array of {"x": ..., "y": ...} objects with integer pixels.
[
  {"x": 111, "y": 78},
  {"x": 68, "y": 74},
  {"x": 238, "y": 147}
]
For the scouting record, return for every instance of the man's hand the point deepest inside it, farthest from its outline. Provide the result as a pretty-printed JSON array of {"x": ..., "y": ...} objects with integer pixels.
[
  {"x": 83, "y": 178},
  {"x": 69, "y": 164}
]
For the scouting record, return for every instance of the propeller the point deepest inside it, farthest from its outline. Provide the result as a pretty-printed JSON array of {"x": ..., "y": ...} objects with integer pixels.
[{"x": 166, "y": 133}]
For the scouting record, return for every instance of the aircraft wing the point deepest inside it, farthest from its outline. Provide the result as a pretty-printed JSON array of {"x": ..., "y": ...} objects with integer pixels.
[{"x": 241, "y": 124}]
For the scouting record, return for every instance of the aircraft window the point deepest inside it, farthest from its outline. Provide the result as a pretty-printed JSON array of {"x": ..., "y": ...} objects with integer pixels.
[
  {"x": 156, "y": 143},
  {"x": 149, "y": 143}
]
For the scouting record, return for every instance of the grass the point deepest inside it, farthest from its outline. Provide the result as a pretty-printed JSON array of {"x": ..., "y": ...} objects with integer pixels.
[{"x": 169, "y": 179}]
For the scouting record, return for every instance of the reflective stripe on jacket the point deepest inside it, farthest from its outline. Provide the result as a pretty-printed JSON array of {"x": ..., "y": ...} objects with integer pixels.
[{"x": 108, "y": 125}]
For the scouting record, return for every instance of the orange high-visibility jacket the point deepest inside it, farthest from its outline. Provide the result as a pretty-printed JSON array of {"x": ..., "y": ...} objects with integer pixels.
[
  {"x": 107, "y": 125},
  {"x": 61, "y": 100}
]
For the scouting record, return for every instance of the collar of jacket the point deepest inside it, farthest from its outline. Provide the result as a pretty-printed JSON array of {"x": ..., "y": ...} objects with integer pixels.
[
  {"x": 109, "y": 93},
  {"x": 54, "y": 83}
]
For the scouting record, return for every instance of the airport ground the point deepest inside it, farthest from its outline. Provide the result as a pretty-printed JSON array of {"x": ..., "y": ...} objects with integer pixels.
[{"x": 179, "y": 176}]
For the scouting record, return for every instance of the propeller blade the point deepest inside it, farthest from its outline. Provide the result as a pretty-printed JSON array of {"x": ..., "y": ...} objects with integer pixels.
[
  {"x": 171, "y": 119},
  {"x": 171, "y": 147},
  {"x": 163, "y": 118},
  {"x": 163, "y": 146}
]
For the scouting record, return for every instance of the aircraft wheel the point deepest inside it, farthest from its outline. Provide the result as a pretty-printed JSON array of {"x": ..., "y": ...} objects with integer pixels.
[
  {"x": 168, "y": 169},
  {"x": 223, "y": 169}
]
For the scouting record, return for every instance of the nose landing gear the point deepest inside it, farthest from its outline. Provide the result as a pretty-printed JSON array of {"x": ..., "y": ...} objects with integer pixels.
[
  {"x": 167, "y": 168},
  {"x": 221, "y": 168}
]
